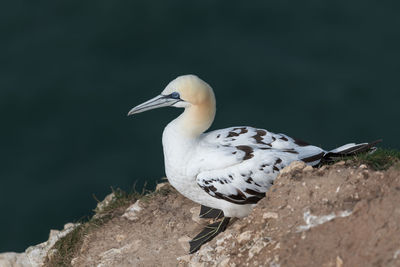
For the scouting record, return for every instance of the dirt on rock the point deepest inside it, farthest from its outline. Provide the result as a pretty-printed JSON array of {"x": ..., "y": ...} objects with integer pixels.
[
  {"x": 150, "y": 233},
  {"x": 338, "y": 215}
]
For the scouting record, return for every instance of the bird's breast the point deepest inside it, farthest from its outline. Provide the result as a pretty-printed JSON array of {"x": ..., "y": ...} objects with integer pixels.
[{"x": 178, "y": 152}]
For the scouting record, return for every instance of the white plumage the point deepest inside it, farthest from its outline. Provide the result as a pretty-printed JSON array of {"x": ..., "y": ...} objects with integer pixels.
[{"x": 228, "y": 169}]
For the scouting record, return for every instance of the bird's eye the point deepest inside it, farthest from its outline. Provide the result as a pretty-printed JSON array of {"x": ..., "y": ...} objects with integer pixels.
[{"x": 175, "y": 95}]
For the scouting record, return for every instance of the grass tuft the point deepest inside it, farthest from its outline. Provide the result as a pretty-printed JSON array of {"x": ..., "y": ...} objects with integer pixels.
[
  {"x": 67, "y": 247},
  {"x": 381, "y": 159},
  {"x": 119, "y": 199}
]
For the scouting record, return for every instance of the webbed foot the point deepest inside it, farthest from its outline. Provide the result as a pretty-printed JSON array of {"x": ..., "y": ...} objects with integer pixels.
[
  {"x": 207, "y": 212},
  {"x": 208, "y": 233}
]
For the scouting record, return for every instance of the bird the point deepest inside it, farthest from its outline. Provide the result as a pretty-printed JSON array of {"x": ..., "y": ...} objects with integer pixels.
[{"x": 226, "y": 171}]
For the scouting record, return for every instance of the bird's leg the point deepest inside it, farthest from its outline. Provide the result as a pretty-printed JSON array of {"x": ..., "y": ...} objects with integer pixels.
[
  {"x": 208, "y": 233},
  {"x": 210, "y": 213}
]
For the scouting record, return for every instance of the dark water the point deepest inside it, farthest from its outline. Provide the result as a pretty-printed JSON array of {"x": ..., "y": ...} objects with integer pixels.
[{"x": 71, "y": 70}]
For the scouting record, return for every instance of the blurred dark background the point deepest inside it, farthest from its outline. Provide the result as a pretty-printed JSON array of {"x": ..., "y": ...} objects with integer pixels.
[{"x": 327, "y": 73}]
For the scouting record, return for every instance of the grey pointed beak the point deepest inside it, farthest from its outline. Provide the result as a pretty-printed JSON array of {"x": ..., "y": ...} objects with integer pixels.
[{"x": 156, "y": 102}]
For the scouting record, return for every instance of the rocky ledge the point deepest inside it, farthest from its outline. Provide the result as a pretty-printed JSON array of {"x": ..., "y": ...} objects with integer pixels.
[{"x": 340, "y": 215}]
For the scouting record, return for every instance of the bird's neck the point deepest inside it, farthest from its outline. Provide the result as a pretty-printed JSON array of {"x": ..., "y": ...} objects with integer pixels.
[
  {"x": 182, "y": 134},
  {"x": 195, "y": 120}
]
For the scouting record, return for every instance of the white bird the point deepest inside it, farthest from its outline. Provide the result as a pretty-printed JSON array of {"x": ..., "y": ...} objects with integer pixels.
[{"x": 226, "y": 170}]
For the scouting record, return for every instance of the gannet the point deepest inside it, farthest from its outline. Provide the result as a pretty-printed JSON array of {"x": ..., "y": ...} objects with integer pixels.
[{"x": 227, "y": 171}]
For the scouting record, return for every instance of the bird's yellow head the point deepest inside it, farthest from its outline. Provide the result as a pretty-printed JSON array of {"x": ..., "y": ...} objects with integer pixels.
[
  {"x": 191, "y": 93},
  {"x": 185, "y": 91}
]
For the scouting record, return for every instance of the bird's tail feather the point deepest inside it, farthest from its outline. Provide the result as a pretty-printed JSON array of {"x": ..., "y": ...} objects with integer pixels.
[{"x": 350, "y": 150}]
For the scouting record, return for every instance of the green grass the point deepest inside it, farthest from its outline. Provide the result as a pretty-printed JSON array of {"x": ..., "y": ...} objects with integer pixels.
[
  {"x": 121, "y": 199},
  {"x": 381, "y": 159}
]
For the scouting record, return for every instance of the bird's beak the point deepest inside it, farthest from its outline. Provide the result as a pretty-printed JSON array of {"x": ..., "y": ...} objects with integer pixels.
[{"x": 156, "y": 102}]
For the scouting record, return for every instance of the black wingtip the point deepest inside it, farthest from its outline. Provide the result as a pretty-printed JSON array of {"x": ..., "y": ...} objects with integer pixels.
[
  {"x": 352, "y": 151},
  {"x": 376, "y": 142},
  {"x": 366, "y": 148}
]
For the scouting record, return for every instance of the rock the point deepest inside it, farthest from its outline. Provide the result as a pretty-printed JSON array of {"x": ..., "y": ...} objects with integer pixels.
[
  {"x": 396, "y": 254},
  {"x": 74, "y": 261},
  {"x": 243, "y": 237},
  {"x": 184, "y": 259},
  {"x": 305, "y": 214},
  {"x": 12, "y": 259},
  {"x": 195, "y": 211},
  {"x": 224, "y": 262},
  {"x": 226, "y": 236},
  {"x": 120, "y": 237},
  {"x": 323, "y": 168},
  {"x": 69, "y": 225},
  {"x": 270, "y": 215},
  {"x": 109, "y": 257},
  {"x": 197, "y": 264},
  {"x": 308, "y": 169},
  {"x": 52, "y": 252},
  {"x": 256, "y": 248},
  {"x": 184, "y": 241},
  {"x": 103, "y": 204},
  {"x": 206, "y": 253},
  {"x": 36, "y": 255},
  {"x": 132, "y": 212},
  {"x": 339, "y": 262},
  {"x": 238, "y": 226},
  {"x": 220, "y": 249},
  {"x": 85, "y": 244},
  {"x": 340, "y": 163},
  {"x": 313, "y": 220},
  {"x": 161, "y": 186},
  {"x": 294, "y": 166}
]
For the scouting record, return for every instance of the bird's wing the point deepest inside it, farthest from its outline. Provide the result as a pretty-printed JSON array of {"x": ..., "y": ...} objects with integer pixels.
[
  {"x": 245, "y": 182},
  {"x": 244, "y": 140},
  {"x": 239, "y": 164}
]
